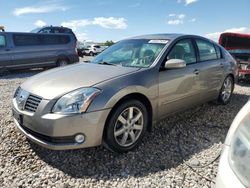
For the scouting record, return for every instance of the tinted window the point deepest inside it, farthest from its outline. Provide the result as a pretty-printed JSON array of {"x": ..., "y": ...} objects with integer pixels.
[
  {"x": 64, "y": 30},
  {"x": 46, "y": 30},
  {"x": 2, "y": 41},
  {"x": 218, "y": 51},
  {"x": 54, "y": 39},
  {"x": 26, "y": 40},
  {"x": 206, "y": 50},
  {"x": 183, "y": 50},
  {"x": 57, "y": 31}
]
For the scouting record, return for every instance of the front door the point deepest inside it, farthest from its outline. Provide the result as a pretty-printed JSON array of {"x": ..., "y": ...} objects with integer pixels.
[{"x": 179, "y": 88}]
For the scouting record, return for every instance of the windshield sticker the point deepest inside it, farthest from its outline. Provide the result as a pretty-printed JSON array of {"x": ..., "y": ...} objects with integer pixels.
[{"x": 158, "y": 41}]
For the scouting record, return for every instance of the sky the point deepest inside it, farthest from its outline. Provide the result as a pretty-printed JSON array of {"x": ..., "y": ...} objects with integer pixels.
[{"x": 101, "y": 20}]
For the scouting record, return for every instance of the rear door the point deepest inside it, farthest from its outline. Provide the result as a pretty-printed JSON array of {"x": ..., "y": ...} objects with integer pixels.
[
  {"x": 5, "y": 53},
  {"x": 211, "y": 68},
  {"x": 55, "y": 45},
  {"x": 179, "y": 88},
  {"x": 27, "y": 50}
]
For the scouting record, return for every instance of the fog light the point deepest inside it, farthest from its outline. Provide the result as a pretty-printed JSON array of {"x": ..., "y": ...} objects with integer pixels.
[{"x": 79, "y": 138}]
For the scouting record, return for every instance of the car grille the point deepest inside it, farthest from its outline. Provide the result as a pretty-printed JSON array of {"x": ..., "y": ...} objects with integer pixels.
[{"x": 32, "y": 103}]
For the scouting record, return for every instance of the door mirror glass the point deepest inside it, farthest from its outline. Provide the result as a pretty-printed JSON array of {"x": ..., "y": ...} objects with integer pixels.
[{"x": 175, "y": 64}]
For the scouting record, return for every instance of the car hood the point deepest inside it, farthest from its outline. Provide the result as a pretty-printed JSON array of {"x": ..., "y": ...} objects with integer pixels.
[{"x": 56, "y": 82}]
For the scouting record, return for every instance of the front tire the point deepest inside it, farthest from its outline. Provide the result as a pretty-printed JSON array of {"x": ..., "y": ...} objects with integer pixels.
[
  {"x": 126, "y": 127},
  {"x": 226, "y": 91}
]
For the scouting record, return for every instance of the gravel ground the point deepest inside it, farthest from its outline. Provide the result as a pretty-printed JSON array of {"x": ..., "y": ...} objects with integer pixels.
[{"x": 193, "y": 137}]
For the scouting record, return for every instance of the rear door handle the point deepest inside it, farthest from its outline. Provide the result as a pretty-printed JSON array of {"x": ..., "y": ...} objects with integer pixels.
[{"x": 196, "y": 71}]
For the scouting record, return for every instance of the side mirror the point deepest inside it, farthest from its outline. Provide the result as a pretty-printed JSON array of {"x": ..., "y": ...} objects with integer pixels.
[{"x": 175, "y": 64}]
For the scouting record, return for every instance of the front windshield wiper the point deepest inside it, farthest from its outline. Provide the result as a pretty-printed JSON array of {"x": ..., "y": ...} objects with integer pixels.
[{"x": 106, "y": 63}]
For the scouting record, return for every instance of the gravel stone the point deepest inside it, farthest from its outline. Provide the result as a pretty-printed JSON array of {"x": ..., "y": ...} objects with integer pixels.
[{"x": 193, "y": 137}]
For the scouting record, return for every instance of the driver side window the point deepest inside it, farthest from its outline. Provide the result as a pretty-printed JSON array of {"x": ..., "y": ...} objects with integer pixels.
[{"x": 183, "y": 50}]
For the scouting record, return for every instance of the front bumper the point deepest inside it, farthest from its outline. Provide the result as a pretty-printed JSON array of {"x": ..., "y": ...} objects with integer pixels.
[
  {"x": 226, "y": 177},
  {"x": 57, "y": 132}
]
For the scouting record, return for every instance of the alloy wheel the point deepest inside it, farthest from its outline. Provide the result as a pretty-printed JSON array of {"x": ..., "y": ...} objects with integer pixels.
[
  {"x": 129, "y": 126},
  {"x": 62, "y": 63},
  {"x": 227, "y": 89}
]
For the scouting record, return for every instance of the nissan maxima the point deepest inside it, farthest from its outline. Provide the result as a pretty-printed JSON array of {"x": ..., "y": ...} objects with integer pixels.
[{"x": 123, "y": 92}]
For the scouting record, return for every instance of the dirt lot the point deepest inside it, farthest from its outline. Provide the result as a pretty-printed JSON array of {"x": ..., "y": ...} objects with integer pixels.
[{"x": 194, "y": 136}]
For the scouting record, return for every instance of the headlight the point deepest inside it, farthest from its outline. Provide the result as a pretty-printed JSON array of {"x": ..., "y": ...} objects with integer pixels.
[
  {"x": 76, "y": 101},
  {"x": 239, "y": 156}
]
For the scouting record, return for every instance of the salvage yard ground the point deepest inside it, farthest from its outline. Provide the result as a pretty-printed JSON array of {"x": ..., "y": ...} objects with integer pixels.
[{"x": 179, "y": 152}]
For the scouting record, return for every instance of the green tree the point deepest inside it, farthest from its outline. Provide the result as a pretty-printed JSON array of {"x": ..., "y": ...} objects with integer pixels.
[{"x": 108, "y": 43}]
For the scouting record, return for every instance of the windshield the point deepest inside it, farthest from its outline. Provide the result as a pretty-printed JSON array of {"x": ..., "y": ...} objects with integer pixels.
[{"x": 131, "y": 53}]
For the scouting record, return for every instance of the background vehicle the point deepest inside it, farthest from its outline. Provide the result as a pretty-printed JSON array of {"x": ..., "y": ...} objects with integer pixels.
[
  {"x": 81, "y": 50},
  {"x": 238, "y": 45},
  {"x": 127, "y": 88},
  {"x": 54, "y": 29},
  {"x": 28, "y": 50},
  {"x": 234, "y": 166},
  {"x": 94, "y": 49}
]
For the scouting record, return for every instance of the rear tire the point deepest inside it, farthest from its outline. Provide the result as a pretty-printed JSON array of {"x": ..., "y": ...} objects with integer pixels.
[
  {"x": 126, "y": 127},
  {"x": 91, "y": 54},
  {"x": 62, "y": 62},
  {"x": 226, "y": 91}
]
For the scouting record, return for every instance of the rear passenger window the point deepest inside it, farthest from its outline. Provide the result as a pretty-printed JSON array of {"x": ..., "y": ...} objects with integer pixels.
[
  {"x": 206, "y": 50},
  {"x": 2, "y": 41},
  {"x": 46, "y": 30},
  {"x": 54, "y": 39},
  {"x": 26, "y": 40},
  {"x": 183, "y": 50},
  {"x": 218, "y": 51},
  {"x": 57, "y": 31}
]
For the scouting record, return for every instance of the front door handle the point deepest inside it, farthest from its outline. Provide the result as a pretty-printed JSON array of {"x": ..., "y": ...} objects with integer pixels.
[{"x": 196, "y": 71}]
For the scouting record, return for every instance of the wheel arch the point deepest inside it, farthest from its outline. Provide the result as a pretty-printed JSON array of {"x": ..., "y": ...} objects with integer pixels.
[
  {"x": 233, "y": 77},
  {"x": 134, "y": 96},
  {"x": 60, "y": 57}
]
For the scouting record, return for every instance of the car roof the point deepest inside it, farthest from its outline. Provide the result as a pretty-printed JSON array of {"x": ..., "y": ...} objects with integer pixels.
[
  {"x": 55, "y": 27},
  {"x": 29, "y": 33},
  {"x": 164, "y": 36}
]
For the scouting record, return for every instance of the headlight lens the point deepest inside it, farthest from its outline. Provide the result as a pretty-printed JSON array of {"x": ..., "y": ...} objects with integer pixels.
[
  {"x": 76, "y": 101},
  {"x": 239, "y": 157}
]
